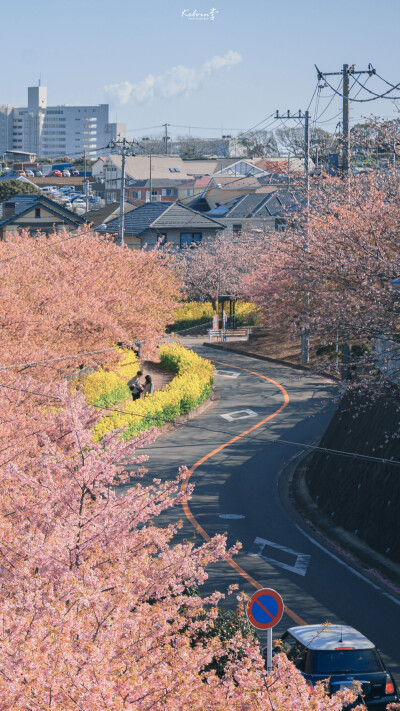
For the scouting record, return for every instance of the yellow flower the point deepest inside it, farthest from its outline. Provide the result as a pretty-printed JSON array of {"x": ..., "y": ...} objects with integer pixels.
[{"x": 191, "y": 386}]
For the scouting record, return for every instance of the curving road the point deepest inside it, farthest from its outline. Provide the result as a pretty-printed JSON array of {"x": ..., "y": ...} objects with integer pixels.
[{"x": 237, "y": 450}]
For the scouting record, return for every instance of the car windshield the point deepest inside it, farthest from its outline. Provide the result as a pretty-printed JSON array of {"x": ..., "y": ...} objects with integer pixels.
[{"x": 344, "y": 661}]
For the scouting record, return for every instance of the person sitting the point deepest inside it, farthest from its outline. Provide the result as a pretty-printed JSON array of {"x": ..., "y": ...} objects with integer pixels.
[
  {"x": 148, "y": 386},
  {"x": 135, "y": 385}
]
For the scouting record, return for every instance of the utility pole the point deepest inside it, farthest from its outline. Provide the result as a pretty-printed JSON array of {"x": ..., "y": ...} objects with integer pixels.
[
  {"x": 306, "y": 118},
  {"x": 122, "y": 147},
  {"x": 346, "y": 118},
  {"x": 305, "y": 343},
  {"x": 345, "y": 73},
  {"x": 86, "y": 184},
  {"x": 151, "y": 183},
  {"x": 84, "y": 163},
  {"x": 166, "y": 137}
]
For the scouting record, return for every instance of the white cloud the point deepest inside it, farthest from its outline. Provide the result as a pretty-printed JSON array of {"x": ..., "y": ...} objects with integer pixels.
[{"x": 176, "y": 81}]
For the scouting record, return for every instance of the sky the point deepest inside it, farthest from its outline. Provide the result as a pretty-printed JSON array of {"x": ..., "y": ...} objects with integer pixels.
[{"x": 206, "y": 69}]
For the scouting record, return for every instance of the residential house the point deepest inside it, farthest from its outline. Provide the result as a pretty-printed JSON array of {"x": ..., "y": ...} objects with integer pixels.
[
  {"x": 162, "y": 190},
  {"x": 191, "y": 188},
  {"x": 258, "y": 211},
  {"x": 98, "y": 169},
  {"x": 222, "y": 189},
  {"x": 36, "y": 213},
  {"x": 164, "y": 223},
  {"x": 166, "y": 173}
]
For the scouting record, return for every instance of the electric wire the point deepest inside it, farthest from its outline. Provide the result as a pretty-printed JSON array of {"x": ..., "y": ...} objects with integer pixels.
[
  {"x": 303, "y": 445},
  {"x": 361, "y": 101}
]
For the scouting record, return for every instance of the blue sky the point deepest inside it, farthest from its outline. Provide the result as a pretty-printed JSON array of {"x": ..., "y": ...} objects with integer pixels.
[{"x": 153, "y": 65}]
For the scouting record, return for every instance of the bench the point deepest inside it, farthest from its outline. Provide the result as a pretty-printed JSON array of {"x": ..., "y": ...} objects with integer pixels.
[{"x": 222, "y": 334}]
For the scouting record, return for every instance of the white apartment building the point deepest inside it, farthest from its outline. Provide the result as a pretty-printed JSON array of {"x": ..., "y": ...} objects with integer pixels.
[{"x": 54, "y": 131}]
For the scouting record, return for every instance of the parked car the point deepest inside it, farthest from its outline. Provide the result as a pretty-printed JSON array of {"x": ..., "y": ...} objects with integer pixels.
[
  {"x": 340, "y": 655},
  {"x": 75, "y": 173},
  {"x": 29, "y": 174},
  {"x": 66, "y": 174},
  {"x": 20, "y": 172},
  {"x": 38, "y": 174},
  {"x": 56, "y": 173}
]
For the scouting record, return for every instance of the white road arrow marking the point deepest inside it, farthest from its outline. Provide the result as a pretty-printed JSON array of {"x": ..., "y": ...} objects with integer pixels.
[
  {"x": 301, "y": 560},
  {"x": 239, "y": 415},
  {"x": 227, "y": 373}
]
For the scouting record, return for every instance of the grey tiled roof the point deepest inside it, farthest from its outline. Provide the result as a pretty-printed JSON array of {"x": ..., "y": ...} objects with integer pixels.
[
  {"x": 25, "y": 203},
  {"x": 97, "y": 217},
  {"x": 258, "y": 205},
  {"x": 181, "y": 217},
  {"x": 162, "y": 215}
]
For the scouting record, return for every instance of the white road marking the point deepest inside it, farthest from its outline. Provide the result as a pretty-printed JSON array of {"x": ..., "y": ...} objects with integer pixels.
[
  {"x": 227, "y": 373},
  {"x": 231, "y": 516},
  {"x": 301, "y": 563},
  {"x": 348, "y": 567},
  {"x": 239, "y": 415}
]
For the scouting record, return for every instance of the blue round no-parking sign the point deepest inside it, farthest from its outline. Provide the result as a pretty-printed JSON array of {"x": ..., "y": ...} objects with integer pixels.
[{"x": 265, "y": 609}]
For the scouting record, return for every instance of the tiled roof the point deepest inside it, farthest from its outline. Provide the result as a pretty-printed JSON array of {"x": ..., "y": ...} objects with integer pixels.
[
  {"x": 164, "y": 166},
  {"x": 98, "y": 217},
  {"x": 162, "y": 215},
  {"x": 275, "y": 204},
  {"x": 232, "y": 182},
  {"x": 140, "y": 219},
  {"x": 181, "y": 216},
  {"x": 25, "y": 203}
]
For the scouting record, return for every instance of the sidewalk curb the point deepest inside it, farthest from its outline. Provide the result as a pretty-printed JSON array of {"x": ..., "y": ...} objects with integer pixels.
[
  {"x": 168, "y": 426},
  {"x": 294, "y": 494},
  {"x": 277, "y": 361}
]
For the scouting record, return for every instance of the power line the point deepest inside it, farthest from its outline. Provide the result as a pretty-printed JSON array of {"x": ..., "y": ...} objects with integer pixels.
[
  {"x": 377, "y": 96},
  {"x": 361, "y": 101},
  {"x": 303, "y": 445}
]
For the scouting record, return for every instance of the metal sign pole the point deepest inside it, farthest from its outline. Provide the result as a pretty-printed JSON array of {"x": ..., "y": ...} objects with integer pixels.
[
  {"x": 269, "y": 649},
  {"x": 264, "y": 610}
]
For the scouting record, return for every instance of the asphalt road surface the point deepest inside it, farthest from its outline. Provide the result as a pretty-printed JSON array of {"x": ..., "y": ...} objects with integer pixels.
[{"x": 236, "y": 491}]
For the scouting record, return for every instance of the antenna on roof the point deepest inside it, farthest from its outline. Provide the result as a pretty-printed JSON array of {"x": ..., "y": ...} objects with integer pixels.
[{"x": 40, "y": 78}]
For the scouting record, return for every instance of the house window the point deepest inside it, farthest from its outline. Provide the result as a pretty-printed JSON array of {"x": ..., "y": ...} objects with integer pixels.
[
  {"x": 236, "y": 229},
  {"x": 37, "y": 211},
  {"x": 135, "y": 194},
  {"x": 280, "y": 224},
  {"x": 188, "y": 192},
  {"x": 169, "y": 191},
  {"x": 190, "y": 239},
  {"x": 163, "y": 239}
]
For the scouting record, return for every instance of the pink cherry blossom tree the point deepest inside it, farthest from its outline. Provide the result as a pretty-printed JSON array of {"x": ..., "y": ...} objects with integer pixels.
[
  {"x": 217, "y": 265},
  {"x": 332, "y": 273}
]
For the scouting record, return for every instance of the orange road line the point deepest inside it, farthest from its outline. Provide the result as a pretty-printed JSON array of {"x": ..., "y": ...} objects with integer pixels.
[{"x": 201, "y": 461}]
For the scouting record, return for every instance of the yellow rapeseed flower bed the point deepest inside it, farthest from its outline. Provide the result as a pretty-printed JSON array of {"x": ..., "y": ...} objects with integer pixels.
[
  {"x": 194, "y": 377},
  {"x": 106, "y": 387},
  {"x": 193, "y": 313}
]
